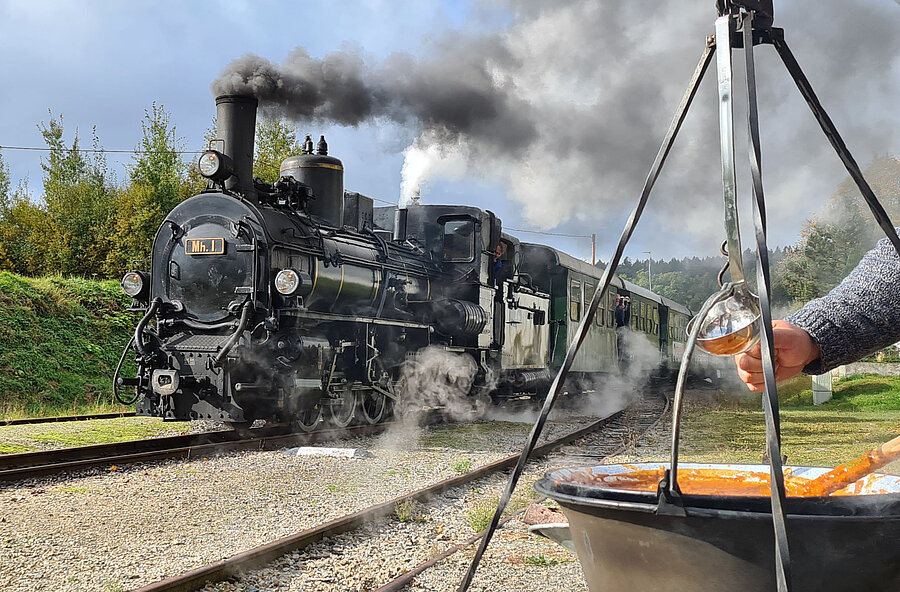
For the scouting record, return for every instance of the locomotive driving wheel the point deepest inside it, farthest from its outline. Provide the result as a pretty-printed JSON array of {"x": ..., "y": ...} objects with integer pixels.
[
  {"x": 308, "y": 419},
  {"x": 342, "y": 409},
  {"x": 372, "y": 406}
]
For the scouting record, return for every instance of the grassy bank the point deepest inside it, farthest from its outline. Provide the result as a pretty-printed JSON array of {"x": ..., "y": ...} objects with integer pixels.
[
  {"x": 60, "y": 340},
  {"x": 864, "y": 413}
]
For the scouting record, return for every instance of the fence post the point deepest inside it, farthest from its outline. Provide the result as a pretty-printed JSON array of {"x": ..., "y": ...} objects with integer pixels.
[{"x": 821, "y": 386}]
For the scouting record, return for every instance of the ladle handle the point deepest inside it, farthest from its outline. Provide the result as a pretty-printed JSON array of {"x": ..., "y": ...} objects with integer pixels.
[
  {"x": 849, "y": 472},
  {"x": 726, "y": 144}
]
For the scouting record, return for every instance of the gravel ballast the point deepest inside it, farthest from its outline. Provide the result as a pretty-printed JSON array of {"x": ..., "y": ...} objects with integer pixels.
[{"x": 125, "y": 527}]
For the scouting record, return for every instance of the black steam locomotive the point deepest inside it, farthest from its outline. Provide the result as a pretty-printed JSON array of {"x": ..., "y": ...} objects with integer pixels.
[{"x": 292, "y": 300}]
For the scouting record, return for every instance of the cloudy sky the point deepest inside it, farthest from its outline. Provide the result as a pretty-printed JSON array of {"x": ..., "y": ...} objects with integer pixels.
[{"x": 549, "y": 114}]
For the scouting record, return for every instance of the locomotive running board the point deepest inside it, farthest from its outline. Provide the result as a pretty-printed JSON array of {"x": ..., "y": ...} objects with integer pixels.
[{"x": 325, "y": 316}]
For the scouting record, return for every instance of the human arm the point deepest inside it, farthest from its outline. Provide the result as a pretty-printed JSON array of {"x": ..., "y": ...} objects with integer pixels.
[{"x": 859, "y": 316}]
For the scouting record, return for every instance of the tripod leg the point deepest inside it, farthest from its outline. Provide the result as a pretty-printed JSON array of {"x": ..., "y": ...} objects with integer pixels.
[
  {"x": 763, "y": 286},
  {"x": 834, "y": 137},
  {"x": 588, "y": 318}
]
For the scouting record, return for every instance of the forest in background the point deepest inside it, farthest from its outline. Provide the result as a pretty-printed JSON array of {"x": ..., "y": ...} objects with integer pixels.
[
  {"x": 831, "y": 243},
  {"x": 86, "y": 223}
]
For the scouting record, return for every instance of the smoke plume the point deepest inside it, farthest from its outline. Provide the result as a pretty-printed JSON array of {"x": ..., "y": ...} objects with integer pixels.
[{"x": 567, "y": 106}]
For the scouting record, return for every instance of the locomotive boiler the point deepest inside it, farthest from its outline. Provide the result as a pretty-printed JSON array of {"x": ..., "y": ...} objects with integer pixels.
[{"x": 297, "y": 300}]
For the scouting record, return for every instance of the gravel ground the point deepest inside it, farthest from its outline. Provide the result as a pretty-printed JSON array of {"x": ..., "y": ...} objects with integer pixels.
[
  {"x": 116, "y": 530},
  {"x": 356, "y": 561}
]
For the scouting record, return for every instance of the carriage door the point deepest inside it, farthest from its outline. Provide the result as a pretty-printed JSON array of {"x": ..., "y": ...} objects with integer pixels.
[{"x": 663, "y": 329}]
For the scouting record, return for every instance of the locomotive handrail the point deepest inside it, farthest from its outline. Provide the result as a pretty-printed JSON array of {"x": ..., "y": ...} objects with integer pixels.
[
  {"x": 245, "y": 316},
  {"x": 116, "y": 377},
  {"x": 142, "y": 324}
]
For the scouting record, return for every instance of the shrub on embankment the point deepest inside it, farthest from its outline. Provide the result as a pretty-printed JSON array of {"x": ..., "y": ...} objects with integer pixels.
[{"x": 60, "y": 340}]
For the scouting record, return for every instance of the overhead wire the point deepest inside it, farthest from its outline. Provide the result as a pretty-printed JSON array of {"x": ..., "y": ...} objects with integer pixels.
[
  {"x": 550, "y": 233},
  {"x": 101, "y": 150}
]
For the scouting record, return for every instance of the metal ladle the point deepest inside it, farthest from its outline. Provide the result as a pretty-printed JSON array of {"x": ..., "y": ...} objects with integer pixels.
[{"x": 731, "y": 325}]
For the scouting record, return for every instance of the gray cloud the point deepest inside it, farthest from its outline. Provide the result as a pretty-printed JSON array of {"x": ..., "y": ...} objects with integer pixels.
[{"x": 567, "y": 106}]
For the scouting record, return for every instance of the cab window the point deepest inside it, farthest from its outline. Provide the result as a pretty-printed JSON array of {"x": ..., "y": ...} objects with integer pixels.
[{"x": 459, "y": 240}]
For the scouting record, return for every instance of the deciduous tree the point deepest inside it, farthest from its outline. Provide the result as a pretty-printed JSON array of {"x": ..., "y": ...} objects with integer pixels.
[{"x": 275, "y": 141}]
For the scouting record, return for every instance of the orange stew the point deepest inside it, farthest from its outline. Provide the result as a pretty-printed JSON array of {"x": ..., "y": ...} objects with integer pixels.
[{"x": 695, "y": 481}]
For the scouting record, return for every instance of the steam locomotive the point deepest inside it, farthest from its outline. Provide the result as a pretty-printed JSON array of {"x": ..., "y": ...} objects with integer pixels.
[{"x": 297, "y": 300}]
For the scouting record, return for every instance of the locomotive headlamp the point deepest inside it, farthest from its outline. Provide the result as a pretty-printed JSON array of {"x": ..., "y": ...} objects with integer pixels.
[
  {"x": 287, "y": 282},
  {"x": 136, "y": 284},
  {"x": 214, "y": 165}
]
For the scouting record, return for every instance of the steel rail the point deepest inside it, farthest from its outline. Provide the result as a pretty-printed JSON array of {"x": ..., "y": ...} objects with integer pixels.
[
  {"x": 27, "y": 465},
  {"x": 407, "y": 577},
  {"x": 62, "y": 418},
  {"x": 258, "y": 556}
]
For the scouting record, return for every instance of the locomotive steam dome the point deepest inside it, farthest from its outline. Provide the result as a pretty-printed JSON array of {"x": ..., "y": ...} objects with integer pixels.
[{"x": 325, "y": 174}]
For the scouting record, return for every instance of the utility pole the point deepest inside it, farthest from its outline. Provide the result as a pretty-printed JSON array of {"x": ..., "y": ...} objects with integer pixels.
[
  {"x": 649, "y": 277},
  {"x": 593, "y": 249}
]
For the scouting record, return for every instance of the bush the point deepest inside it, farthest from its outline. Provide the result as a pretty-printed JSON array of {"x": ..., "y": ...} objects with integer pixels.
[{"x": 60, "y": 341}]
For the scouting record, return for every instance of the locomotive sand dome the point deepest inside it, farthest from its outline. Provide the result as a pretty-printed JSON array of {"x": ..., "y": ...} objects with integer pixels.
[{"x": 324, "y": 175}]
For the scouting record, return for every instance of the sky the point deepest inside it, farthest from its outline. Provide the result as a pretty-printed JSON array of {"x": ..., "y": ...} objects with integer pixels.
[{"x": 548, "y": 114}]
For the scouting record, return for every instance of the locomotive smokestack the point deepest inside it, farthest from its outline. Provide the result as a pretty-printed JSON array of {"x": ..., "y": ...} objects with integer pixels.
[{"x": 236, "y": 128}]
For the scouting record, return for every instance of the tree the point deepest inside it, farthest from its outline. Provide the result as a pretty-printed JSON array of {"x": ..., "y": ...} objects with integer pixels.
[
  {"x": 79, "y": 203},
  {"x": 275, "y": 141},
  {"x": 833, "y": 243},
  {"x": 193, "y": 182},
  {"x": 24, "y": 228},
  {"x": 4, "y": 186},
  {"x": 158, "y": 164},
  {"x": 157, "y": 184}
]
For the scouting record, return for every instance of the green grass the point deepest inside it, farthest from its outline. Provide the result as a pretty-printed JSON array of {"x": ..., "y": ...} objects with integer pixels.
[
  {"x": 471, "y": 436},
  {"x": 864, "y": 412},
  {"x": 6, "y": 448},
  {"x": 542, "y": 560},
  {"x": 60, "y": 340},
  {"x": 82, "y": 433},
  {"x": 481, "y": 511},
  {"x": 72, "y": 489},
  {"x": 410, "y": 511},
  {"x": 461, "y": 466}
]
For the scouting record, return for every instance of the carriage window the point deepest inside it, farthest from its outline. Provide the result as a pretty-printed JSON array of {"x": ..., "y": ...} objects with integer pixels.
[
  {"x": 575, "y": 301},
  {"x": 459, "y": 240},
  {"x": 588, "y": 296},
  {"x": 612, "y": 309}
]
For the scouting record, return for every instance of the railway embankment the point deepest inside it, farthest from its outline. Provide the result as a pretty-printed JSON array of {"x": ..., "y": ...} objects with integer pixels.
[{"x": 60, "y": 340}]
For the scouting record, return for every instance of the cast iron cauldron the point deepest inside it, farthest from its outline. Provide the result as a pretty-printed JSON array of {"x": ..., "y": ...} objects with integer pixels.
[{"x": 627, "y": 540}]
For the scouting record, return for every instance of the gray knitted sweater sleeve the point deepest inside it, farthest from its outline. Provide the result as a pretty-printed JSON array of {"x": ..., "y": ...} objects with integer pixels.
[{"x": 859, "y": 316}]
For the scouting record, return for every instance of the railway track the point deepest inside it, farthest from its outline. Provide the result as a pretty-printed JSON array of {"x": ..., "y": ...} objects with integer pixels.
[
  {"x": 27, "y": 465},
  {"x": 62, "y": 418},
  {"x": 620, "y": 429}
]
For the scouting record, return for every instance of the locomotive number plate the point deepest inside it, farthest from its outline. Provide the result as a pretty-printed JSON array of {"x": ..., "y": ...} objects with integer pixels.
[{"x": 204, "y": 246}]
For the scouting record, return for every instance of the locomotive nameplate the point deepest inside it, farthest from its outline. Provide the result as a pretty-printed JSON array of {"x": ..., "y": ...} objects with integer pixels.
[{"x": 204, "y": 246}]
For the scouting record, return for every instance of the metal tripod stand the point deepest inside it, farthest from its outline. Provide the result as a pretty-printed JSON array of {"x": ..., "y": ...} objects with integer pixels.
[{"x": 740, "y": 24}]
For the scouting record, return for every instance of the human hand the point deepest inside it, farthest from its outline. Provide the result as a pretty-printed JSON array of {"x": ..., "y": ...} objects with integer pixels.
[{"x": 794, "y": 349}]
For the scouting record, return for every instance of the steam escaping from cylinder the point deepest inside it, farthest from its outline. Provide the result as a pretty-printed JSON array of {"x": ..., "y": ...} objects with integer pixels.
[{"x": 572, "y": 98}]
